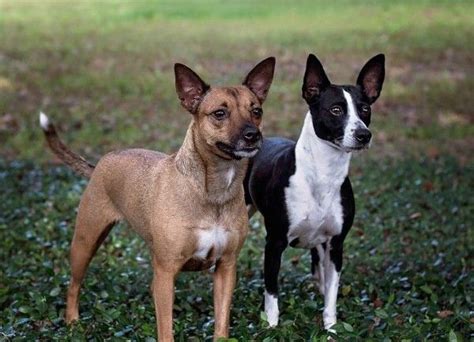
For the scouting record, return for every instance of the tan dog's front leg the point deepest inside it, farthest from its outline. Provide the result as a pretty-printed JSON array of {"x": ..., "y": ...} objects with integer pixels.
[
  {"x": 163, "y": 297},
  {"x": 224, "y": 283}
]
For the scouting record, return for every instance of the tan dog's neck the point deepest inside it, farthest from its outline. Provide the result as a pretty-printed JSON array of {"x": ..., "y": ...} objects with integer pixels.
[{"x": 216, "y": 178}]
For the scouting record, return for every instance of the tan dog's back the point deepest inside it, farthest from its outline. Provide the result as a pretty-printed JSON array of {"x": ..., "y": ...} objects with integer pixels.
[{"x": 128, "y": 181}]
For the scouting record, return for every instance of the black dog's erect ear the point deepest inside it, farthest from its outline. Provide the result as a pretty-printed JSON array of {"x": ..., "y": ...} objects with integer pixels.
[
  {"x": 371, "y": 77},
  {"x": 260, "y": 78},
  {"x": 315, "y": 79},
  {"x": 189, "y": 87}
]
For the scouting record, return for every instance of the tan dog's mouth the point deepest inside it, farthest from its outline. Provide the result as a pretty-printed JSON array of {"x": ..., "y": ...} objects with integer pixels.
[{"x": 238, "y": 153}]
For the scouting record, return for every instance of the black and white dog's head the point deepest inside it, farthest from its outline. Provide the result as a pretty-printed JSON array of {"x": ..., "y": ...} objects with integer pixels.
[{"x": 341, "y": 114}]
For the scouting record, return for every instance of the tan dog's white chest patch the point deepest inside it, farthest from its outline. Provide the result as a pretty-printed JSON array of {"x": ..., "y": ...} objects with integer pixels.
[{"x": 211, "y": 241}]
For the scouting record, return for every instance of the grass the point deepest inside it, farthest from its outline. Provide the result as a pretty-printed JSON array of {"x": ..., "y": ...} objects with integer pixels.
[
  {"x": 406, "y": 273},
  {"x": 103, "y": 72}
]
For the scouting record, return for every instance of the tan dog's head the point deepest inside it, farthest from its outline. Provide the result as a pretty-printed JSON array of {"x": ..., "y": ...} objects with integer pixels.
[{"x": 228, "y": 118}]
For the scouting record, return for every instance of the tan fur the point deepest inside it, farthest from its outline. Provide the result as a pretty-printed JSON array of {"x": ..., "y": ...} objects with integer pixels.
[
  {"x": 71, "y": 159},
  {"x": 169, "y": 200}
]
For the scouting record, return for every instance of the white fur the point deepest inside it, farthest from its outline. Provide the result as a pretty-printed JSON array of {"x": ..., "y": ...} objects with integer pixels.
[
  {"x": 353, "y": 123},
  {"x": 44, "y": 120},
  {"x": 245, "y": 154},
  {"x": 230, "y": 176},
  {"x": 314, "y": 207},
  {"x": 271, "y": 309},
  {"x": 215, "y": 237},
  {"x": 331, "y": 286},
  {"x": 313, "y": 195}
]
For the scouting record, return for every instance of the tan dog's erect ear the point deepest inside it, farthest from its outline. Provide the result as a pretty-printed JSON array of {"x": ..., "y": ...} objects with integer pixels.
[
  {"x": 315, "y": 79},
  {"x": 371, "y": 77},
  {"x": 189, "y": 87},
  {"x": 260, "y": 78}
]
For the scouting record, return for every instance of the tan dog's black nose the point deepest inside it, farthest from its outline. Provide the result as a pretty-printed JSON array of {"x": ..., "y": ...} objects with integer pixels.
[{"x": 251, "y": 134}]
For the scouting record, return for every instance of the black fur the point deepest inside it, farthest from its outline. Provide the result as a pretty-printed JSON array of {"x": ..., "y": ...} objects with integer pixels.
[{"x": 267, "y": 177}]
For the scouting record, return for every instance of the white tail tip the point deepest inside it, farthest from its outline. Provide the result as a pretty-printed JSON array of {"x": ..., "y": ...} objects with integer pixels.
[{"x": 44, "y": 121}]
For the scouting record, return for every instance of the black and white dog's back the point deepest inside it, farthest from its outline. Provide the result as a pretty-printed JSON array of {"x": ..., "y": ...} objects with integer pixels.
[{"x": 302, "y": 189}]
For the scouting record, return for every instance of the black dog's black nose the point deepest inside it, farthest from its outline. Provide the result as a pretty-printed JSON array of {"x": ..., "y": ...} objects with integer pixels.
[
  {"x": 363, "y": 135},
  {"x": 252, "y": 134}
]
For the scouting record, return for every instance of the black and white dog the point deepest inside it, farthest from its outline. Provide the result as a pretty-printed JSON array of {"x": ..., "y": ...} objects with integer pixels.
[{"x": 302, "y": 189}]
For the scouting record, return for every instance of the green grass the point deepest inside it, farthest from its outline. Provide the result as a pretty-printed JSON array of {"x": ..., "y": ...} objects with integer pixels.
[
  {"x": 87, "y": 62},
  {"x": 407, "y": 260},
  {"x": 103, "y": 71}
]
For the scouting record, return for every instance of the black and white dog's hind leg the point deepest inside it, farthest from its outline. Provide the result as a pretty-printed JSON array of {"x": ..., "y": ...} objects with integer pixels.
[
  {"x": 317, "y": 266},
  {"x": 273, "y": 253}
]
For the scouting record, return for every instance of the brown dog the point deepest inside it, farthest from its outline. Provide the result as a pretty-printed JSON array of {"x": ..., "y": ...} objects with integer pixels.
[{"x": 189, "y": 206}]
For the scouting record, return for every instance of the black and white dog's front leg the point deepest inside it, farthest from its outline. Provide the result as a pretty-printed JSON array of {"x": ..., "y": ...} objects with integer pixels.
[
  {"x": 273, "y": 252},
  {"x": 326, "y": 264},
  {"x": 332, "y": 273},
  {"x": 332, "y": 263}
]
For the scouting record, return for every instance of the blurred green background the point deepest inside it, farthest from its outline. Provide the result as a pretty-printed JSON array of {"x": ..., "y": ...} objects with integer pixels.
[{"x": 103, "y": 71}]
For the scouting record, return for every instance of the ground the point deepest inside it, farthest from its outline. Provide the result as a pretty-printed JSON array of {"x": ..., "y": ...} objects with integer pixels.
[{"x": 103, "y": 72}]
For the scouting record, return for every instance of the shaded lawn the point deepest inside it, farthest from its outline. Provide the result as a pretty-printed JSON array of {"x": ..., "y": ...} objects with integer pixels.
[
  {"x": 407, "y": 272},
  {"x": 103, "y": 71}
]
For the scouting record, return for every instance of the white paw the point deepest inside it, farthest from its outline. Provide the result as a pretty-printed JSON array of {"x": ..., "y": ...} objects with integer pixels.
[
  {"x": 271, "y": 309},
  {"x": 272, "y": 318},
  {"x": 329, "y": 322}
]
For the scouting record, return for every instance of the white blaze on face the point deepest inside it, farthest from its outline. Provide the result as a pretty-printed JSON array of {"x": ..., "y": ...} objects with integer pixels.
[{"x": 353, "y": 122}]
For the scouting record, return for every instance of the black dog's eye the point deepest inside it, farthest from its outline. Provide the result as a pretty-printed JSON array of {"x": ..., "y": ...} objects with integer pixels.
[
  {"x": 365, "y": 109},
  {"x": 257, "y": 112},
  {"x": 336, "y": 110},
  {"x": 219, "y": 114}
]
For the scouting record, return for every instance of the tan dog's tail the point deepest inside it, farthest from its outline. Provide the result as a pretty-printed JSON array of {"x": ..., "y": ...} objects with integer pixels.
[{"x": 71, "y": 159}]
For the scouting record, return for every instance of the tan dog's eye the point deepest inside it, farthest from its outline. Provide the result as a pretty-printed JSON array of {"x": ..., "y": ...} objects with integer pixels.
[
  {"x": 336, "y": 110},
  {"x": 220, "y": 114},
  {"x": 257, "y": 112}
]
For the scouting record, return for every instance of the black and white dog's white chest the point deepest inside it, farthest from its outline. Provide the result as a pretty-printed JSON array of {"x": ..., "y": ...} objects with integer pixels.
[{"x": 313, "y": 195}]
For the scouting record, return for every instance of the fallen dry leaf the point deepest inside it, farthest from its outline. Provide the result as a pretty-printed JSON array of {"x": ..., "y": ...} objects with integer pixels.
[
  {"x": 428, "y": 186},
  {"x": 433, "y": 152},
  {"x": 445, "y": 313},
  {"x": 9, "y": 123},
  {"x": 378, "y": 303}
]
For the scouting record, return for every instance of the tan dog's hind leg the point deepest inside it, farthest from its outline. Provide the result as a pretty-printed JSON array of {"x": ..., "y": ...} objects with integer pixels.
[
  {"x": 94, "y": 221},
  {"x": 224, "y": 283},
  {"x": 163, "y": 297}
]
